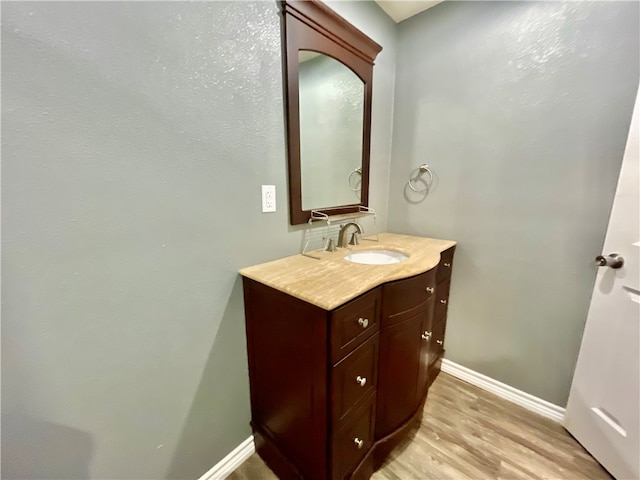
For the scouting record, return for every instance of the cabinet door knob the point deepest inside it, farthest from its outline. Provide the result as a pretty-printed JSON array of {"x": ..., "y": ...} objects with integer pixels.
[
  {"x": 426, "y": 335},
  {"x": 430, "y": 289},
  {"x": 448, "y": 265},
  {"x": 439, "y": 342},
  {"x": 362, "y": 381},
  {"x": 363, "y": 322},
  {"x": 443, "y": 301},
  {"x": 359, "y": 443}
]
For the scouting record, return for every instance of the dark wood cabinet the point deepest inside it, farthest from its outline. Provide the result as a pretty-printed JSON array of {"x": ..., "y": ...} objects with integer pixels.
[
  {"x": 333, "y": 391},
  {"x": 353, "y": 323},
  {"x": 404, "y": 297},
  {"x": 441, "y": 306},
  {"x": 353, "y": 441},
  {"x": 407, "y": 311},
  {"x": 398, "y": 397},
  {"x": 353, "y": 380}
]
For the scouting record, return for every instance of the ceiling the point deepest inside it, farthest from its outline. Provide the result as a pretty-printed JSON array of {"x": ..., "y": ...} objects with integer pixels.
[{"x": 400, "y": 10}]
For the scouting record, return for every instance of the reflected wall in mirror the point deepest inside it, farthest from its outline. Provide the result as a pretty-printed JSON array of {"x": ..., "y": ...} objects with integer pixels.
[
  {"x": 329, "y": 71},
  {"x": 331, "y": 103}
]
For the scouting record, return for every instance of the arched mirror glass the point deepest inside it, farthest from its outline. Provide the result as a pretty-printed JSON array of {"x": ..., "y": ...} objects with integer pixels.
[{"x": 331, "y": 103}]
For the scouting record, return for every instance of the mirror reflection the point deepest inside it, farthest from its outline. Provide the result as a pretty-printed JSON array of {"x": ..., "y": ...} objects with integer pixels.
[{"x": 331, "y": 105}]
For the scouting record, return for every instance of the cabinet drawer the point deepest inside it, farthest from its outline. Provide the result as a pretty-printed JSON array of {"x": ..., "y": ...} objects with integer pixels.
[
  {"x": 405, "y": 295},
  {"x": 436, "y": 346},
  {"x": 351, "y": 443},
  {"x": 445, "y": 265},
  {"x": 442, "y": 300},
  {"x": 353, "y": 323},
  {"x": 353, "y": 379}
]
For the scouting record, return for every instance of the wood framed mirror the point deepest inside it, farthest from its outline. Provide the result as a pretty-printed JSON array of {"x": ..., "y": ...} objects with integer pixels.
[{"x": 328, "y": 85}]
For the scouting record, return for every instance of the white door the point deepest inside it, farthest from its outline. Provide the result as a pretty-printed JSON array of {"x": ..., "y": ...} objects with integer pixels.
[{"x": 603, "y": 412}]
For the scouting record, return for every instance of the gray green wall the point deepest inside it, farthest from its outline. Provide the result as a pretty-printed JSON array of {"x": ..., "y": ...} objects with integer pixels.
[
  {"x": 135, "y": 138},
  {"x": 522, "y": 111}
]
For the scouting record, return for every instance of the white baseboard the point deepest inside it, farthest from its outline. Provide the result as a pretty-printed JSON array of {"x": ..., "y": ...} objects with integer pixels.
[
  {"x": 526, "y": 400},
  {"x": 228, "y": 464}
]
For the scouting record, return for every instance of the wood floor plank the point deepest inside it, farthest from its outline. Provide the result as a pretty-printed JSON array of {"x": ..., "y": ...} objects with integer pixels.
[{"x": 467, "y": 433}]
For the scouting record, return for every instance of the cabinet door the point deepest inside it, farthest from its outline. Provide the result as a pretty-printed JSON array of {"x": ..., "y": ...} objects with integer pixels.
[
  {"x": 352, "y": 441},
  {"x": 353, "y": 379},
  {"x": 444, "y": 267},
  {"x": 442, "y": 300},
  {"x": 353, "y": 323},
  {"x": 399, "y": 371},
  {"x": 426, "y": 335},
  {"x": 400, "y": 299},
  {"x": 436, "y": 343}
]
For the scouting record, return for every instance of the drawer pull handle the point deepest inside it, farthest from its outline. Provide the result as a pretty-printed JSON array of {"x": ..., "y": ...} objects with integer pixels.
[
  {"x": 444, "y": 302},
  {"x": 439, "y": 342},
  {"x": 430, "y": 290},
  {"x": 363, "y": 322},
  {"x": 426, "y": 335},
  {"x": 362, "y": 381},
  {"x": 448, "y": 265},
  {"x": 359, "y": 443}
]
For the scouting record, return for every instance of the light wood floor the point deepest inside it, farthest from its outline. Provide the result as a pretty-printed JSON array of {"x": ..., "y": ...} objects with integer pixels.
[{"x": 467, "y": 433}]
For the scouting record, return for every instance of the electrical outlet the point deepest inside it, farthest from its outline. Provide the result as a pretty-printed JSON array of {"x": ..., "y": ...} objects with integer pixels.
[{"x": 268, "y": 198}]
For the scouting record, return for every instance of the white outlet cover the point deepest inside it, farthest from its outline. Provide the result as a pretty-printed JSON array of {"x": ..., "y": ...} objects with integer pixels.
[{"x": 268, "y": 198}]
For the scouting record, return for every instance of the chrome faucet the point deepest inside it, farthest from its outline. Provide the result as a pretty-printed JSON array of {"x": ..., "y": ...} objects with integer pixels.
[{"x": 342, "y": 238}]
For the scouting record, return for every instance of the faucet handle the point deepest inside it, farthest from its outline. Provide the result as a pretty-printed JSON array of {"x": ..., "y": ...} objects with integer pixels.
[
  {"x": 355, "y": 239},
  {"x": 331, "y": 246}
]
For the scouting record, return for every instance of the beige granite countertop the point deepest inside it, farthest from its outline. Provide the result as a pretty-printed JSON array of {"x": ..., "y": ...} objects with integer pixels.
[{"x": 331, "y": 281}]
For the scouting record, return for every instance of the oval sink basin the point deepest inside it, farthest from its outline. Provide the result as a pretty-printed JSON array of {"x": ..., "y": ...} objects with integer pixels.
[{"x": 376, "y": 257}]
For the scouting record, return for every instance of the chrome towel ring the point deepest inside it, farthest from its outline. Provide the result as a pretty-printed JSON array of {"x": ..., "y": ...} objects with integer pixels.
[
  {"x": 359, "y": 171},
  {"x": 421, "y": 169}
]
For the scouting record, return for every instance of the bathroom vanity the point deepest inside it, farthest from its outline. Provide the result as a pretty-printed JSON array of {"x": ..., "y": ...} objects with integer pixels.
[{"x": 341, "y": 355}]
